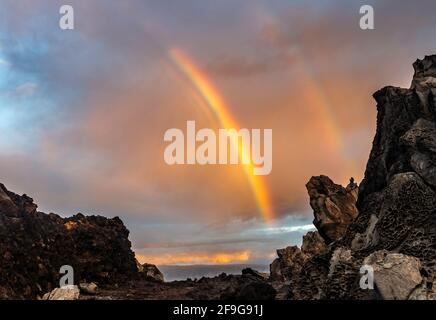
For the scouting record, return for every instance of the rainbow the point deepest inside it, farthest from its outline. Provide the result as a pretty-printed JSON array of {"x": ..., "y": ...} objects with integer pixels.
[
  {"x": 221, "y": 112},
  {"x": 312, "y": 92},
  {"x": 317, "y": 100}
]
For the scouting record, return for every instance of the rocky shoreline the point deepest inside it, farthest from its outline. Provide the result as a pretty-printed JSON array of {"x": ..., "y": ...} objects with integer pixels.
[{"x": 388, "y": 222}]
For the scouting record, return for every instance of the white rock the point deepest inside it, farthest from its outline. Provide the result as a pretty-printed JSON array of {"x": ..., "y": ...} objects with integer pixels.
[
  {"x": 65, "y": 293},
  {"x": 396, "y": 275}
]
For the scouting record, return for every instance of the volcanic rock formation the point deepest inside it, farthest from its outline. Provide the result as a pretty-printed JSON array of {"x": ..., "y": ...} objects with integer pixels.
[
  {"x": 334, "y": 206},
  {"x": 394, "y": 227},
  {"x": 291, "y": 259},
  {"x": 34, "y": 245},
  {"x": 151, "y": 272}
]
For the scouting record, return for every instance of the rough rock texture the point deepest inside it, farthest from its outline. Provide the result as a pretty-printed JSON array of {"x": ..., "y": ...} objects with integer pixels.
[
  {"x": 334, "y": 206},
  {"x": 64, "y": 293},
  {"x": 395, "y": 275},
  {"x": 289, "y": 262},
  {"x": 88, "y": 288},
  {"x": 151, "y": 272},
  {"x": 34, "y": 245},
  {"x": 313, "y": 244},
  {"x": 396, "y": 222},
  {"x": 255, "y": 273},
  {"x": 291, "y": 259}
]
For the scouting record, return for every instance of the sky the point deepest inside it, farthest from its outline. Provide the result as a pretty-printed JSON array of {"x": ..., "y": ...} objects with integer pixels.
[{"x": 83, "y": 112}]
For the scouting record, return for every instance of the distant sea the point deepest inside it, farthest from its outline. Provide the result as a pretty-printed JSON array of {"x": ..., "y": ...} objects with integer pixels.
[{"x": 183, "y": 272}]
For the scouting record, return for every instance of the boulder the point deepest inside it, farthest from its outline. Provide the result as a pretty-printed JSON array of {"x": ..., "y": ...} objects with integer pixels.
[
  {"x": 88, "y": 288},
  {"x": 289, "y": 262},
  {"x": 396, "y": 276},
  {"x": 152, "y": 273},
  {"x": 63, "y": 293},
  {"x": 334, "y": 206}
]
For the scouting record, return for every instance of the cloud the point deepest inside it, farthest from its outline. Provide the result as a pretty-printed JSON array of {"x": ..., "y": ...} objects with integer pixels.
[
  {"x": 234, "y": 67},
  {"x": 26, "y": 89},
  {"x": 87, "y": 130},
  {"x": 196, "y": 258}
]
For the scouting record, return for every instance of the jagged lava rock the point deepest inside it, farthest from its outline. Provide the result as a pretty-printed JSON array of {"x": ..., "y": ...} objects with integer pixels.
[
  {"x": 151, "y": 272},
  {"x": 313, "y": 244},
  {"x": 254, "y": 273},
  {"x": 396, "y": 205},
  {"x": 334, "y": 206},
  {"x": 291, "y": 259},
  {"x": 34, "y": 245},
  {"x": 398, "y": 111}
]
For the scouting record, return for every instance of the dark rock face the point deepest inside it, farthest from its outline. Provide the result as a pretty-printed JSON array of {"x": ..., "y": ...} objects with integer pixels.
[
  {"x": 151, "y": 272},
  {"x": 289, "y": 262},
  {"x": 395, "y": 230},
  {"x": 34, "y": 245},
  {"x": 248, "y": 286},
  {"x": 254, "y": 273},
  {"x": 334, "y": 206},
  {"x": 291, "y": 259},
  {"x": 313, "y": 244}
]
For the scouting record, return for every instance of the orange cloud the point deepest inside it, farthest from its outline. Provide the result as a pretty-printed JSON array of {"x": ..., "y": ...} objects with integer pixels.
[{"x": 195, "y": 258}]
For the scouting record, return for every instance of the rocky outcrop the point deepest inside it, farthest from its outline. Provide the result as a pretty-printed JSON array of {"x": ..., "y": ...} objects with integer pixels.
[
  {"x": 334, "y": 206},
  {"x": 313, "y": 244},
  {"x": 289, "y": 262},
  {"x": 256, "y": 274},
  {"x": 392, "y": 227},
  {"x": 34, "y": 246},
  {"x": 151, "y": 272},
  {"x": 291, "y": 259}
]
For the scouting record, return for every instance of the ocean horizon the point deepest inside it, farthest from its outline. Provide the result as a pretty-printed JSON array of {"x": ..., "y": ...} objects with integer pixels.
[{"x": 197, "y": 271}]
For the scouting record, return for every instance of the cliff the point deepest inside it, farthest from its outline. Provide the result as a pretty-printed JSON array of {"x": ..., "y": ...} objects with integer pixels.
[{"x": 394, "y": 228}]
